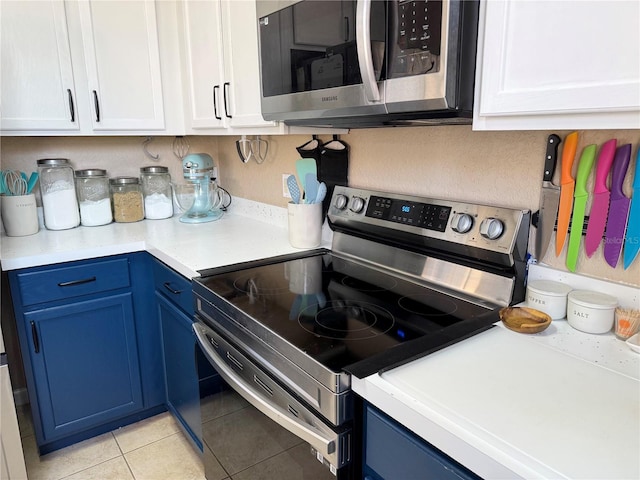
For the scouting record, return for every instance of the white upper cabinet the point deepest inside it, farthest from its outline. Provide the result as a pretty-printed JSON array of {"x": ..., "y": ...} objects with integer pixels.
[
  {"x": 221, "y": 68},
  {"x": 90, "y": 67},
  {"x": 203, "y": 68},
  {"x": 37, "y": 89},
  {"x": 120, "y": 45},
  {"x": 560, "y": 64}
]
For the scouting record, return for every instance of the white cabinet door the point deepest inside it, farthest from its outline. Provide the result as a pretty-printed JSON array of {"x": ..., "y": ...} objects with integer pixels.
[
  {"x": 561, "y": 64},
  {"x": 38, "y": 90},
  {"x": 204, "y": 63},
  {"x": 222, "y": 77},
  {"x": 242, "y": 77},
  {"x": 120, "y": 41}
]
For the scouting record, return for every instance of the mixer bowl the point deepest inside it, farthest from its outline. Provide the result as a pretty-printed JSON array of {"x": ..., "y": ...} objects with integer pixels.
[{"x": 185, "y": 194}]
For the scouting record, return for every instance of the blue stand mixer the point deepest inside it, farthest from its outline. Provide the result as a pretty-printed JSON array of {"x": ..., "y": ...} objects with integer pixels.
[{"x": 197, "y": 169}]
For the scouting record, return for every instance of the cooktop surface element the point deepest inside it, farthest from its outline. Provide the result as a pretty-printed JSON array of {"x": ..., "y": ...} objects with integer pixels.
[{"x": 405, "y": 276}]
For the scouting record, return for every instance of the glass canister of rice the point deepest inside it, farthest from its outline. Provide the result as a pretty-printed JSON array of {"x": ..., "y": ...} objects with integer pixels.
[{"x": 126, "y": 199}]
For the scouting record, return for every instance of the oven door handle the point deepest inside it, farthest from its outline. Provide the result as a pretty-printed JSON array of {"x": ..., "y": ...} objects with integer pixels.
[{"x": 309, "y": 433}]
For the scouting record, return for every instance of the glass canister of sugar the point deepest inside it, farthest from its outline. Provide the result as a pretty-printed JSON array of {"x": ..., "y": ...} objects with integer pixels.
[
  {"x": 58, "y": 192},
  {"x": 156, "y": 190},
  {"x": 92, "y": 186},
  {"x": 126, "y": 199}
]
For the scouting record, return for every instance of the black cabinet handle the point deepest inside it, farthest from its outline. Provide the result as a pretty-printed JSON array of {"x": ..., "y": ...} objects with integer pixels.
[
  {"x": 215, "y": 102},
  {"x": 72, "y": 110},
  {"x": 167, "y": 285},
  {"x": 34, "y": 335},
  {"x": 226, "y": 101},
  {"x": 77, "y": 282},
  {"x": 97, "y": 105}
]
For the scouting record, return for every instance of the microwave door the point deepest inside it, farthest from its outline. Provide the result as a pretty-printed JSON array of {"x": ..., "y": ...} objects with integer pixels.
[{"x": 312, "y": 64}]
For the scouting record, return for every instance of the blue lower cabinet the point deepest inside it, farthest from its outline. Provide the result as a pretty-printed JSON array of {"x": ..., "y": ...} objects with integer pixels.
[
  {"x": 90, "y": 346},
  {"x": 185, "y": 369},
  {"x": 393, "y": 452},
  {"x": 180, "y": 369},
  {"x": 85, "y": 362}
]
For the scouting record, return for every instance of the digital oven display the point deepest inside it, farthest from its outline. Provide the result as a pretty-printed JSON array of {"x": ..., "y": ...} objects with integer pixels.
[{"x": 423, "y": 215}]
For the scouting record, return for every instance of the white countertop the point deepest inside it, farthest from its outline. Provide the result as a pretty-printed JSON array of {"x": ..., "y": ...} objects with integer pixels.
[
  {"x": 249, "y": 231},
  {"x": 558, "y": 404}
]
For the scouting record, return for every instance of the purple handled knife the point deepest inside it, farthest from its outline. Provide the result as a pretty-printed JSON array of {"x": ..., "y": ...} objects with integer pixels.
[{"x": 618, "y": 207}]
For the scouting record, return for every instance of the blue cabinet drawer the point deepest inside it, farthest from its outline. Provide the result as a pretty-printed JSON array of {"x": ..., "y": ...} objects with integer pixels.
[
  {"x": 391, "y": 452},
  {"x": 50, "y": 283},
  {"x": 173, "y": 286}
]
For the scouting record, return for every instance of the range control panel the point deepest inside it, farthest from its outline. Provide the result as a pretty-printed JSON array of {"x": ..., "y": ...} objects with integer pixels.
[{"x": 474, "y": 225}]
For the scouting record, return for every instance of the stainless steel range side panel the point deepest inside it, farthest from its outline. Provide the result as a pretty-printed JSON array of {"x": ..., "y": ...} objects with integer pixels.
[{"x": 327, "y": 391}]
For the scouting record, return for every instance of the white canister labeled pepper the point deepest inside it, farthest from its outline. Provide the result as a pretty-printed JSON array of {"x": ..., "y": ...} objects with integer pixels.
[
  {"x": 126, "y": 199},
  {"x": 549, "y": 297},
  {"x": 591, "y": 312}
]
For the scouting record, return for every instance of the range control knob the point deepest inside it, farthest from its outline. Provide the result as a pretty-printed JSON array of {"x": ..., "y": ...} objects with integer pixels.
[
  {"x": 357, "y": 204},
  {"x": 461, "y": 222},
  {"x": 491, "y": 228},
  {"x": 340, "y": 202}
]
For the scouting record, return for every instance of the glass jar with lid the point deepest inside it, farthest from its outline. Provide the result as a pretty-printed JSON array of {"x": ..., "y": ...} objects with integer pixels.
[
  {"x": 92, "y": 186},
  {"x": 126, "y": 199},
  {"x": 58, "y": 193},
  {"x": 156, "y": 190}
]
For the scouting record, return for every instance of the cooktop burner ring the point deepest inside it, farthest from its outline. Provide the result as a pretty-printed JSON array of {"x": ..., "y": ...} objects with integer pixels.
[
  {"x": 444, "y": 307},
  {"x": 369, "y": 320}
]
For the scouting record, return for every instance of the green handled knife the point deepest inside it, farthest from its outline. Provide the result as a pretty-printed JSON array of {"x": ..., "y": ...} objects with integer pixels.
[{"x": 579, "y": 204}]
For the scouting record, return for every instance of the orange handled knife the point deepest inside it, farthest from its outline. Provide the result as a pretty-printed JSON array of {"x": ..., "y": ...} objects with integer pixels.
[{"x": 567, "y": 184}]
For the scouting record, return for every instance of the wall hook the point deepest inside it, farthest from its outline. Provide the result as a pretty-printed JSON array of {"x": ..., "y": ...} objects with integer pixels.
[{"x": 146, "y": 152}]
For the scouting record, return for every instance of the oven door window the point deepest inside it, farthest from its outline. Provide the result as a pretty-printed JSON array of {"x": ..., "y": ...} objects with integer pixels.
[{"x": 311, "y": 45}]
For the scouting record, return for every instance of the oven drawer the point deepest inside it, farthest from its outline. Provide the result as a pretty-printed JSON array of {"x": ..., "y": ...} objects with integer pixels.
[
  {"x": 46, "y": 284},
  {"x": 332, "y": 444}
]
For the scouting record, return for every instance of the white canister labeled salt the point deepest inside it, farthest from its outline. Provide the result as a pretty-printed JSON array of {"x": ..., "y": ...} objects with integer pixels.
[
  {"x": 548, "y": 296},
  {"x": 591, "y": 312}
]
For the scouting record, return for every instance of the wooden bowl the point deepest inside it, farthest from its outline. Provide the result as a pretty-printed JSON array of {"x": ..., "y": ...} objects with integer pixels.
[{"x": 524, "y": 319}]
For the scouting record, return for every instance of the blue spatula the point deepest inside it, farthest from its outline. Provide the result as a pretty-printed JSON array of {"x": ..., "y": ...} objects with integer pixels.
[
  {"x": 311, "y": 188},
  {"x": 294, "y": 190}
]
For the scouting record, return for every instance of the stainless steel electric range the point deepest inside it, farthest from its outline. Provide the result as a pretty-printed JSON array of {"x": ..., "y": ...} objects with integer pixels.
[{"x": 405, "y": 276}]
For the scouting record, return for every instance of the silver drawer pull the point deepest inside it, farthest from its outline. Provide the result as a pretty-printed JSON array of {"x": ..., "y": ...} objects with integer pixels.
[
  {"x": 264, "y": 386},
  {"x": 77, "y": 282},
  {"x": 235, "y": 361}
]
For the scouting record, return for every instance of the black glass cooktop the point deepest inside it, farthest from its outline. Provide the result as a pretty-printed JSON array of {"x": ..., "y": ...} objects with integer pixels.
[{"x": 345, "y": 315}]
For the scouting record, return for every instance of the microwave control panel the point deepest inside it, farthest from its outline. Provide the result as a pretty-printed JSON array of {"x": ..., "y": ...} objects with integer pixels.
[{"x": 416, "y": 27}]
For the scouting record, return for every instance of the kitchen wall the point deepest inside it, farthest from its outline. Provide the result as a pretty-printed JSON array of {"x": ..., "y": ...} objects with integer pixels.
[{"x": 503, "y": 168}]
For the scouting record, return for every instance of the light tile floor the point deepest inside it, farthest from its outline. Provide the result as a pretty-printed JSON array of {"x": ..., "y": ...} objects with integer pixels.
[
  {"x": 153, "y": 449},
  {"x": 244, "y": 445}
]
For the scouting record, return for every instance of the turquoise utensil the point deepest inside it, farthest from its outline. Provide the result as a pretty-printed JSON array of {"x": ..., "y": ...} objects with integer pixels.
[
  {"x": 303, "y": 167},
  {"x": 32, "y": 181}
]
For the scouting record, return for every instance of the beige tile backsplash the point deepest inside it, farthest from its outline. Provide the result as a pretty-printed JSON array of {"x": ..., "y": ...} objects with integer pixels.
[{"x": 503, "y": 168}]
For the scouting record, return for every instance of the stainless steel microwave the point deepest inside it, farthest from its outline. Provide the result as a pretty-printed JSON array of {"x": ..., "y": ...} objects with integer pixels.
[{"x": 363, "y": 63}]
